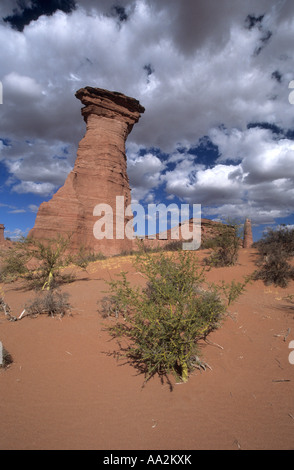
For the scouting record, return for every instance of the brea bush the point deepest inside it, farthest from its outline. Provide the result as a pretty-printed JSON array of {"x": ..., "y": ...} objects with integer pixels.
[
  {"x": 45, "y": 259},
  {"x": 275, "y": 249},
  {"x": 52, "y": 256},
  {"x": 13, "y": 264},
  {"x": 225, "y": 245},
  {"x": 158, "y": 327}
]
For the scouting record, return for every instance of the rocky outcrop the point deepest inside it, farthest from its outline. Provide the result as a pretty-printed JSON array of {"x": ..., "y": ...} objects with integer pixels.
[
  {"x": 2, "y": 239},
  {"x": 99, "y": 174},
  {"x": 247, "y": 239},
  {"x": 209, "y": 229}
]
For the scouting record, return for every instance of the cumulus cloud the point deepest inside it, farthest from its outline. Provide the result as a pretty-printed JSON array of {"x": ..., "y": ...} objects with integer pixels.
[
  {"x": 44, "y": 189},
  {"x": 16, "y": 234},
  {"x": 145, "y": 175},
  {"x": 253, "y": 174},
  {"x": 200, "y": 69}
]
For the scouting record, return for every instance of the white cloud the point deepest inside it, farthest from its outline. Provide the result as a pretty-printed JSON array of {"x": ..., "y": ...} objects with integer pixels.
[
  {"x": 21, "y": 87},
  {"x": 17, "y": 211},
  {"x": 41, "y": 189},
  {"x": 15, "y": 234},
  {"x": 259, "y": 182},
  {"x": 145, "y": 175},
  {"x": 33, "y": 208},
  {"x": 196, "y": 68}
]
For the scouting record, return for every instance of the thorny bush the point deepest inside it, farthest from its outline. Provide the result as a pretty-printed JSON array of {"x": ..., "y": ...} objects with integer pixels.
[{"x": 158, "y": 327}]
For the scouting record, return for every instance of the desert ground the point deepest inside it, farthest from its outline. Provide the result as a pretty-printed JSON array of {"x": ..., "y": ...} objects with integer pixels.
[{"x": 63, "y": 391}]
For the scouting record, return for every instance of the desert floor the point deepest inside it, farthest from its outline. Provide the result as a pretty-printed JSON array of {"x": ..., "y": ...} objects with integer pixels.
[{"x": 64, "y": 392}]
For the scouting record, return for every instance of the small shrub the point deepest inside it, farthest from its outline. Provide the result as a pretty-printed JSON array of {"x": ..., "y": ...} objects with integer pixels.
[
  {"x": 209, "y": 243},
  {"x": 275, "y": 270},
  {"x": 37, "y": 262},
  {"x": 175, "y": 245},
  {"x": 163, "y": 322},
  {"x": 225, "y": 245},
  {"x": 49, "y": 303},
  {"x": 6, "y": 358},
  {"x": 84, "y": 257},
  {"x": 52, "y": 255},
  {"x": 279, "y": 240},
  {"x": 275, "y": 250},
  {"x": 13, "y": 264}
]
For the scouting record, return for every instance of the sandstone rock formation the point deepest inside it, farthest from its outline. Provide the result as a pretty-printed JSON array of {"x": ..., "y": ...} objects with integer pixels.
[
  {"x": 99, "y": 174},
  {"x": 209, "y": 229},
  {"x": 248, "y": 239},
  {"x": 2, "y": 239}
]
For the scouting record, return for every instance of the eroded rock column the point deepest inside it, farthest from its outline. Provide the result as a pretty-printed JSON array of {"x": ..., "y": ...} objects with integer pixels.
[
  {"x": 248, "y": 239},
  {"x": 99, "y": 174},
  {"x": 2, "y": 239}
]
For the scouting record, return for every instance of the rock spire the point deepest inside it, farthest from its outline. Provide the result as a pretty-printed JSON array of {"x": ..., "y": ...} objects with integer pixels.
[
  {"x": 248, "y": 239},
  {"x": 2, "y": 239},
  {"x": 98, "y": 176}
]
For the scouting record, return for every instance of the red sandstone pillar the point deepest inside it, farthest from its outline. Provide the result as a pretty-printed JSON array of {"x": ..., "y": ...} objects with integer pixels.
[
  {"x": 98, "y": 177},
  {"x": 248, "y": 239},
  {"x": 2, "y": 239}
]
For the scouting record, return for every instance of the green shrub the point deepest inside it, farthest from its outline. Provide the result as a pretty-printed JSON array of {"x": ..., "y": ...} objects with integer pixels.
[
  {"x": 162, "y": 323},
  {"x": 13, "y": 264},
  {"x": 45, "y": 258},
  {"x": 279, "y": 240},
  {"x": 225, "y": 245},
  {"x": 52, "y": 257},
  {"x": 275, "y": 250}
]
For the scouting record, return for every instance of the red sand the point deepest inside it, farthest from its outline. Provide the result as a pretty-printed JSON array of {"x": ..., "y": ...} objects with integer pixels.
[{"x": 63, "y": 392}]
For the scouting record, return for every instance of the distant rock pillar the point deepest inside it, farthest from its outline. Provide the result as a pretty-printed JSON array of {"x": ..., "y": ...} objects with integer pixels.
[
  {"x": 2, "y": 239},
  {"x": 248, "y": 239},
  {"x": 98, "y": 177}
]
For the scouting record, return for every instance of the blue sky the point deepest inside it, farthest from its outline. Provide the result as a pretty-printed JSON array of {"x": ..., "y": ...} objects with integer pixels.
[{"x": 214, "y": 78}]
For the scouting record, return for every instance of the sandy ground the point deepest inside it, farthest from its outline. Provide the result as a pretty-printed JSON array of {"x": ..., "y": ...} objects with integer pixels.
[{"x": 63, "y": 392}]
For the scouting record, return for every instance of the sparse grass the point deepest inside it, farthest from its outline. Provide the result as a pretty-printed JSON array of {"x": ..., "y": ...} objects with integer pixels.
[{"x": 84, "y": 257}]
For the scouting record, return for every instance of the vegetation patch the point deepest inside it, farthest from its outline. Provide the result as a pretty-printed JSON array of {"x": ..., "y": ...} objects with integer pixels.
[
  {"x": 275, "y": 250},
  {"x": 225, "y": 246},
  {"x": 5, "y": 357},
  {"x": 41, "y": 263},
  {"x": 158, "y": 327}
]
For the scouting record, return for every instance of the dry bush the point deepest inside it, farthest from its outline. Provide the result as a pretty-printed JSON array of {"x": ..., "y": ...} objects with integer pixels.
[
  {"x": 49, "y": 303},
  {"x": 225, "y": 245},
  {"x": 6, "y": 358},
  {"x": 276, "y": 248}
]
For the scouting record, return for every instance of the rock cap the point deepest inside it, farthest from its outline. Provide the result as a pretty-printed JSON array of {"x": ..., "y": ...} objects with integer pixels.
[{"x": 111, "y": 104}]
